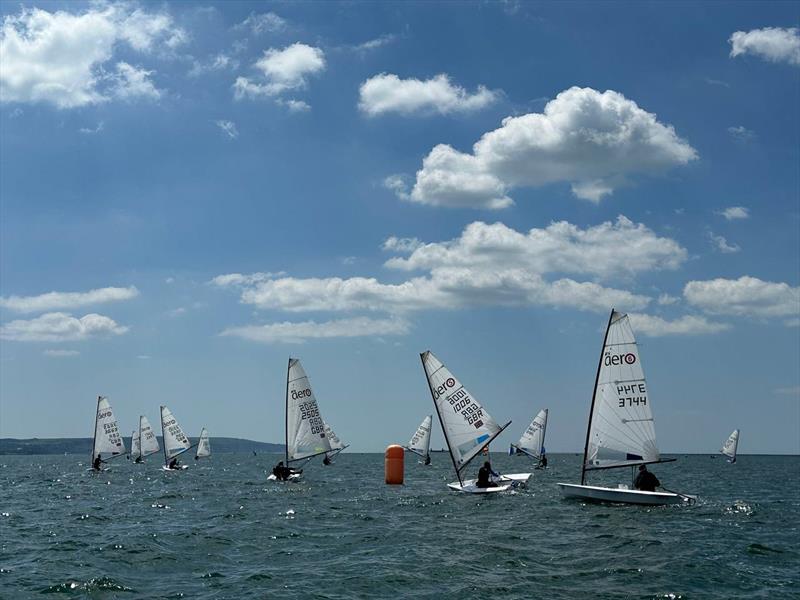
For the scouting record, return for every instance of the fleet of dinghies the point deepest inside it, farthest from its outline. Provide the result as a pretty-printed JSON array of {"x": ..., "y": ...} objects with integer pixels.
[{"x": 620, "y": 431}]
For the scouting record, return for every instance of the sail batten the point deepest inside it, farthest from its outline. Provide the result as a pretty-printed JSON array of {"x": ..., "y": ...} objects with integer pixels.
[{"x": 305, "y": 429}]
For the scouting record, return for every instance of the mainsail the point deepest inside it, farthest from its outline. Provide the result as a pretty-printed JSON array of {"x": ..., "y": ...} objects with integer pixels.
[
  {"x": 147, "y": 437},
  {"x": 467, "y": 427},
  {"x": 336, "y": 444},
  {"x": 305, "y": 430},
  {"x": 621, "y": 430},
  {"x": 730, "y": 446},
  {"x": 203, "y": 445},
  {"x": 532, "y": 441},
  {"x": 175, "y": 441},
  {"x": 136, "y": 446},
  {"x": 107, "y": 438},
  {"x": 420, "y": 442}
]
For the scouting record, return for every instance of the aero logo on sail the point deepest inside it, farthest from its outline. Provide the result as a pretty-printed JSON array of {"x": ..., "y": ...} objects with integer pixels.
[
  {"x": 306, "y": 393},
  {"x": 449, "y": 383},
  {"x": 619, "y": 359}
]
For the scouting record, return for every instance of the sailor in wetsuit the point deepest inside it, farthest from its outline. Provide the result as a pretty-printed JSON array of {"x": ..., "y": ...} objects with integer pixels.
[
  {"x": 173, "y": 464},
  {"x": 326, "y": 461},
  {"x": 427, "y": 459},
  {"x": 96, "y": 463},
  {"x": 485, "y": 475},
  {"x": 645, "y": 480}
]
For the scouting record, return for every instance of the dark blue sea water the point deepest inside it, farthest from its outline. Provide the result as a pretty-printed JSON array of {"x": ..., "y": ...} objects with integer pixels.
[{"x": 220, "y": 530}]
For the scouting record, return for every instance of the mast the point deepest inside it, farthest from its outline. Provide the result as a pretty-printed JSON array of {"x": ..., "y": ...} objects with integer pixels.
[
  {"x": 286, "y": 412},
  {"x": 544, "y": 432},
  {"x": 594, "y": 393},
  {"x": 444, "y": 429},
  {"x": 164, "y": 438},
  {"x": 94, "y": 437}
]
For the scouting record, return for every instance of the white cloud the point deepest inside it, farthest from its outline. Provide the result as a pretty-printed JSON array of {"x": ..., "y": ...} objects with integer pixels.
[
  {"x": 67, "y": 300},
  {"x": 59, "y": 57},
  {"x": 92, "y": 130},
  {"x": 295, "y": 106},
  {"x": 143, "y": 357},
  {"x": 774, "y": 44},
  {"x": 61, "y": 353},
  {"x": 60, "y": 327},
  {"x": 403, "y": 245},
  {"x": 228, "y": 128},
  {"x": 219, "y": 62},
  {"x": 746, "y": 297},
  {"x": 652, "y": 326},
  {"x": 667, "y": 300},
  {"x": 176, "y": 312},
  {"x": 375, "y": 43},
  {"x": 132, "y": 83},
  {"x": 387, "y": 93},
  {"x": 288, "y": 332},
  {"x": 281, "y": 71},
  {"x": 264, "y": 22},
  {"x": 720, "y": 244},
  {"x": 605, "y": 250},
  {"x": 733, "y": 213},
  {"x": 237, "y": 279},
  {"x": 589, "y": 139},
  {"x": 740, "y": 133},
  {"x": 397, "y": 184}
]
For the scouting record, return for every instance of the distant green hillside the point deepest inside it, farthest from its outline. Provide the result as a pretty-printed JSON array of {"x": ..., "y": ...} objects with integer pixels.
[{"x": 220, "y": 445}]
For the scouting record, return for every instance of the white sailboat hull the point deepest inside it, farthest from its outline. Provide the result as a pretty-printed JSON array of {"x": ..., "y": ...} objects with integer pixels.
[
  {"x": 180, "y": 468},
  {"x": 622, "y": 495},
  {"x": 469, "y": 487},
  {"x": 292, "y": 477},
  {"x": 515, "y": 478}
]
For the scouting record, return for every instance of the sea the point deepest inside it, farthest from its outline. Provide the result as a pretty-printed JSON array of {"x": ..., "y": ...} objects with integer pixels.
[{"x": 221, "y": 530}]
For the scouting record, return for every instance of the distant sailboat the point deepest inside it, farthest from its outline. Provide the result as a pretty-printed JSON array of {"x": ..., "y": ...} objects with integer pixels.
[
  {"x": 203, "y": 445},
  {"x": 730, "y": 446},
  {"x": 420, "y": 443},
  {"x": 175, "y": 441},
  {"x": 107, "y": 438},
  {"x": 532, "y": 441},
  {"x": 467, "y": 427},
  {"x": 621, "y": 430},
  {"x": 144, "y": 441},
  {"x": 305, "y": 429},
  {"x": 336, "y": 445}
]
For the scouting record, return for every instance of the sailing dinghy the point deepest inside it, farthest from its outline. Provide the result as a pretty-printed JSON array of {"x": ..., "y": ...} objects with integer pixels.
[
  {"x": 336, "y": 445},
  {"x": 420, "y": 443},
  {"x": 532, "y": 441},
  {"x": 107, "y": 439},
  {"x": 144, "y": 441},
  {"x": 175, "y": 441},
  {"x": 203, "y": 445},
  {"x": 621, "y": 431},
  {"x": 730, "y": 446},
  {"x": 305, "y": 429},
  {"x": 467, "y": 427}
]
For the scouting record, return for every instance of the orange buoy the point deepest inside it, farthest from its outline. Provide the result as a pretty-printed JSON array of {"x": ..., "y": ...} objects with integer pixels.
[{"x": 394, "y": 458}]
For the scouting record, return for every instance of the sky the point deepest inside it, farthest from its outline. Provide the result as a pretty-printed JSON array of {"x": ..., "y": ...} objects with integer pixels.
[{"x": 191, "y": 193}]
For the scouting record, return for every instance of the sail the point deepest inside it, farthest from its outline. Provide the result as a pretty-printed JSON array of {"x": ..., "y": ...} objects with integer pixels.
[
  {"x": 532, "y": 441},
  {"x": 305, "y": 430},
  {"x": 107, "y": 438},
  {"x": 333, "y": 439},
  {"x": 730, "y": 445},
  {"x": 466, "y": 424},
  {"x": 149, "y": 441},
  {"x": 203, "y": 445},
  {"x": 175, "y": 441},
  {"x": 420, "y": 442},
  {"x": 136, "y": 446},
  {"x": 621, "y": 431}
]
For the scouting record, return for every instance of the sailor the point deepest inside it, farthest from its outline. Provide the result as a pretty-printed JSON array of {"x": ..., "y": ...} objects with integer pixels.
[
  {"x": 543, "y": 460},
  {"x": 138, "y": 459},
  {"x": 485, "y": 475},
  {"x": 96, "y": 463},
  {"x": 281, "y": 472},
  {"x": 196, "y": 457},
  {"x": 427, "y": 459},
  {"x": 326, "y": 461},
  {"x": 645, "y": 480},
  {"x": 173, "y": 464}
]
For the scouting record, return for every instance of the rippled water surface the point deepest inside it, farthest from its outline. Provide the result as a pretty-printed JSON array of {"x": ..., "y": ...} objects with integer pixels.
[{"x": 220, "y": 530}]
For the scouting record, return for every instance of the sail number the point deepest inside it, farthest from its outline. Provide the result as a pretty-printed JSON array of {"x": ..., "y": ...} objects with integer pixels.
[
  {"x": 631, "y": 400},
  {"x": 309, "y": 410},
  {"x": 462, "y": 403},
  {"x": 111, "y": 430}
]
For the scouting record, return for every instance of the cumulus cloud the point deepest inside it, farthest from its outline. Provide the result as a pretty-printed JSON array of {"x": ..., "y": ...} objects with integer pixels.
[
  {"x": 295, "y": 106},
  {"x": 387, "y": 93},
  {"x": 67, "y": 300},
  {"x": 746, "y": 297},
  {"x": 733, "y": 213},
  {"x": 293, "y": 333},
  {"x": 61, "y": 353},
  {"x": 653, "y": 326},
  {"x": 404, "y": 245},
  {"x": 60, "y": 327},
  {"x": 720, "y": 244},
  {"x": 589, "y": 139},
  {"x": 281, "y": 70},
  {"x": 60, "y": 57},
  {"x": 774, "y": 44},
  {"x": 228, "y": 128}
]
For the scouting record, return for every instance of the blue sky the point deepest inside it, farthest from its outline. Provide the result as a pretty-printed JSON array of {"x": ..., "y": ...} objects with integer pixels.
[{"x": 192, "y": 192}]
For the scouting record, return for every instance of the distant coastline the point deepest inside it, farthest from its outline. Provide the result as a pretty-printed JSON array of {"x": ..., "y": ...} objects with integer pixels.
[{"x": 222, "y": 445}]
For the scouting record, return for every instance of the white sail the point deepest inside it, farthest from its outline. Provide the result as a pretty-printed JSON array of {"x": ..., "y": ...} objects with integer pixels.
[
  {"x": 622, "y": 431},
  {"x": 107, "y": 438},
  {"x": 149, "y": 441},
  {"x": 420, "y": 442},
  {"x": 203, "y": 445},
  {"x": 333, "y": 439},
  {"x": 466, "y": 424},
  {"x": 136, "y": 446},
  {"x": 532, "y": 441},
  {"x": 175, "y": 441},
  {"x": 730, "y": 445},
  {"x": 305, "y": 430}
]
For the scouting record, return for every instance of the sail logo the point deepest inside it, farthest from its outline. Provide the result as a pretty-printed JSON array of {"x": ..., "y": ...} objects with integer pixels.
[
  {"x": 449, "y": 383},
  {"x": 619, "y": 359},
  {"x": 306, "y": 393}
]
